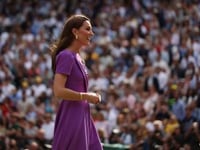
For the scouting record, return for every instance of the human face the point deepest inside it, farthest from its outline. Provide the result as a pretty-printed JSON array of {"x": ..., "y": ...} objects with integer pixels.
[{"x": 85, "y": 33}]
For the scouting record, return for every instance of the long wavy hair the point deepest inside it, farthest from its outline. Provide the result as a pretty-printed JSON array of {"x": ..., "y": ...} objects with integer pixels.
[{"x": 66, "y": 37}]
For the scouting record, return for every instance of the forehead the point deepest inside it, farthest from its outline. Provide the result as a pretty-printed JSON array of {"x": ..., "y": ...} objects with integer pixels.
[{"x": 86, "y": 24}]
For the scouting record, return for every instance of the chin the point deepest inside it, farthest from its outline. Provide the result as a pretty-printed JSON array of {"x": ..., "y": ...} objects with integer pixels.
[{"x": 87, "y": 44}]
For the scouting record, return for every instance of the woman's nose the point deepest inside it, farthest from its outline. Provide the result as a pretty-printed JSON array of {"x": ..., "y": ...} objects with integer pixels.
[{"x": 91, "y": 33}]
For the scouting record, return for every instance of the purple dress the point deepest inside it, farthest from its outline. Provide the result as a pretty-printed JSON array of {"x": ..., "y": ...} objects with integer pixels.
[{"x": 74, "y": 127}]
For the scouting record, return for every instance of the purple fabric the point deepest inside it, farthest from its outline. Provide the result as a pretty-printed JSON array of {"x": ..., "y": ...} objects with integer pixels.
[{"x": 74, "y": 127}]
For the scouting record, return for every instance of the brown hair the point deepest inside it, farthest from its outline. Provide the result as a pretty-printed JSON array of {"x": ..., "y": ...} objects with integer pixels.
[{"x": 66, "y": 37}]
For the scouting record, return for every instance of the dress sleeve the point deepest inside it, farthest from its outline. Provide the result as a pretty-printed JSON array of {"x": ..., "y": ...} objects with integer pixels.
[{"x": 64, "y": 63}]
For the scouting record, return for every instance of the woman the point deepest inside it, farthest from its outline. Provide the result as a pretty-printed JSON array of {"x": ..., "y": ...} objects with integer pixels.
[{"x": 74, "y": 128}]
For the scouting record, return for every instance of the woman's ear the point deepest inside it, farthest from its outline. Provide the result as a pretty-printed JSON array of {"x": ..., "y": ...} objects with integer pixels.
[{"x": 75, "y": 32}]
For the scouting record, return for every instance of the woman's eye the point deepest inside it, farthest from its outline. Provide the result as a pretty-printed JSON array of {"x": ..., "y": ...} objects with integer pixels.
[{"x": 89, "y": 29}]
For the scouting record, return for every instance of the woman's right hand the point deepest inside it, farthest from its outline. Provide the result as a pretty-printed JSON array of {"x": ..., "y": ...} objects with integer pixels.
[{"x": 93, "y": 98}]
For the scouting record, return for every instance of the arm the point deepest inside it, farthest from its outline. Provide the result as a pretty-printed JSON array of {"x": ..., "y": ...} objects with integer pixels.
[{"x": 61, "y": 92}]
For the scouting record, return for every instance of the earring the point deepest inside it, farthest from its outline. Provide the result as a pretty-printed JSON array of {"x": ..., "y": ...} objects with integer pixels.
[{"x": 76, "y": 37}]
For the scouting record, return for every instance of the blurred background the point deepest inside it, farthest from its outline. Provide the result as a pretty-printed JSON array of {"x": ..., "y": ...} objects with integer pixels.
[{"x": 144, "y": 60}]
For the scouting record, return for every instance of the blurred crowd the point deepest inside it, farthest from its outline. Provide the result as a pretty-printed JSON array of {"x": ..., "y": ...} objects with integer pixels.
[{"x": 144, "y": 60}]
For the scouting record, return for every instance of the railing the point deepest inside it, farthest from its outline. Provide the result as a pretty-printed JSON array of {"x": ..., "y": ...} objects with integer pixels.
[{"x": 115, "y": 147}]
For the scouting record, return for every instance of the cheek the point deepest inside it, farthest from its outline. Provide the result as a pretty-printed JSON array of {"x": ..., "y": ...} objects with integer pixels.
[{"x": 84, "y": 33}]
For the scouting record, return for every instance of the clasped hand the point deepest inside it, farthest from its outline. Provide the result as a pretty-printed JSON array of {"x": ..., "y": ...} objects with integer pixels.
[{"x": 93, "y": 98}]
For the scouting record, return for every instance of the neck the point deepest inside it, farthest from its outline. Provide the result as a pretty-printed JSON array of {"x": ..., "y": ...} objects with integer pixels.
[{"x": 75, "y": 47}]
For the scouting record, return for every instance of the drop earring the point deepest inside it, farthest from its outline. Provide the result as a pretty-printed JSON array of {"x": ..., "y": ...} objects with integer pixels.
[{"x": 76, "y": 37}]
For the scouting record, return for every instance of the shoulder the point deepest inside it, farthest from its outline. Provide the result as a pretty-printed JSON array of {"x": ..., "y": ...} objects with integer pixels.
[
  {"x": 65, "y": 61},
  {"x": 66, "y": 53}
]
